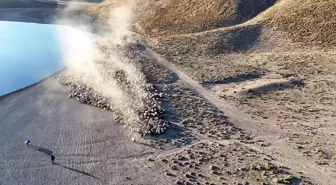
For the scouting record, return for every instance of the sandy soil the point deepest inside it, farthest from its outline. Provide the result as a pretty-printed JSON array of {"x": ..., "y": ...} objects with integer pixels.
[{"x": 89, "y": 147}]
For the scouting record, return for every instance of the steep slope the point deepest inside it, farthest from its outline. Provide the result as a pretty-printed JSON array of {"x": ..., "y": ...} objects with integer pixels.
[{"x": 169, "y": 17}]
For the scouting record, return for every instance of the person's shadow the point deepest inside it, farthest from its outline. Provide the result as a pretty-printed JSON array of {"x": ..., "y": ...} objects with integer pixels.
[
  {"x": 75, "y": 170},
  {"x": 42, "y": 150},
  {"x": 50, "y": 153}
]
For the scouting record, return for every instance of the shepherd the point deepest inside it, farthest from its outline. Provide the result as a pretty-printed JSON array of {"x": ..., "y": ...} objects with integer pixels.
[{"x": 52, "y": 157}]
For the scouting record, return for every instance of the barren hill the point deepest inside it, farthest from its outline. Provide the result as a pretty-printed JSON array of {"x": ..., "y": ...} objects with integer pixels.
[
  {"x": 309, "y": 21},
  {"x": 167, "y": 17}
]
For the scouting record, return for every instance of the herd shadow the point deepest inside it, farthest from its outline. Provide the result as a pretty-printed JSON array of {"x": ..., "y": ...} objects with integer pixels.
[
  {"x": 235, "y": 79},
  {"x": 257, "y": 91},
  {"x": 174, "y": 77},
  {"x": 275, "y": 87},
  {"x": 174, "y": 132}
]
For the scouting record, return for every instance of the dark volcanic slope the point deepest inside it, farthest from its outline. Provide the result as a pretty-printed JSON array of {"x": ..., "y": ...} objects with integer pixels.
[{"x": 89, "y": 147}]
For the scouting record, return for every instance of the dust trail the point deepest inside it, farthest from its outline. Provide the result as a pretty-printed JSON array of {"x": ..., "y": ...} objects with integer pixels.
[{"x": 108, "y": 75}]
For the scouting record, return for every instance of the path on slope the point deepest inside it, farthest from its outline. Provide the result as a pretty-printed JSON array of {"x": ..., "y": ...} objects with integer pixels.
[{"x": 279, "y": 149}]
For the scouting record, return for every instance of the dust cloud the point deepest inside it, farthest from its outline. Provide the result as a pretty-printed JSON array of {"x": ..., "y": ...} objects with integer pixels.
[{"x": 106, "y": 75}]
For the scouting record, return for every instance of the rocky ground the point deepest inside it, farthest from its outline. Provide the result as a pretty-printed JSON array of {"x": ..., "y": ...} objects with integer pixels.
[{"x": 290, "y": 90}]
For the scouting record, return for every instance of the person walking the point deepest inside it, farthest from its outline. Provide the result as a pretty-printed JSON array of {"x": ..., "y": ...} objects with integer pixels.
[{"x": 52, "y": 157}]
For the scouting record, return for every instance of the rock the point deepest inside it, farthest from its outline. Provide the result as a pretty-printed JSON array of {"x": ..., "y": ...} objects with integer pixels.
[
  {"x": 181, "y": 158},
  {"x": 214, "y": 172},
  {"x": 187, "y": 176},
  {"x": 174, "y": 167},
  {"x": 213, "y": 167},
  {"x": 164, "y": 160},
  {"x": 169, "y": 174}
]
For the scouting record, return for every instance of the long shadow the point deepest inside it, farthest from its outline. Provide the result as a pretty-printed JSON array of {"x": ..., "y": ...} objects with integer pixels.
[
  {"x": 174, "y": 77},
  {"x": 170, "y": 115},
  {"x": 75, "y": 170},
  {"x": 174, "y": 132},
  {"x": 145, "y": 144},
  {"x": 235, "y": 79},
  {"x": 276, "y": 87},
  {"x": 247, "y": 9},
  {"x": 42, "y": 150},
  {"x": 49, "y": 152},
  {"x": 238, "y": 40}
]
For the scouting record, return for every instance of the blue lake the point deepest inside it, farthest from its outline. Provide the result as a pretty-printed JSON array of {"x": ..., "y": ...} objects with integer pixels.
[{"x": 30, "y": 52}]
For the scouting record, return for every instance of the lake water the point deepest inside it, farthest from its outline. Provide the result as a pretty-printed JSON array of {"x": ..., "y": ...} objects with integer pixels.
[{"x": 30, "y": 52}]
